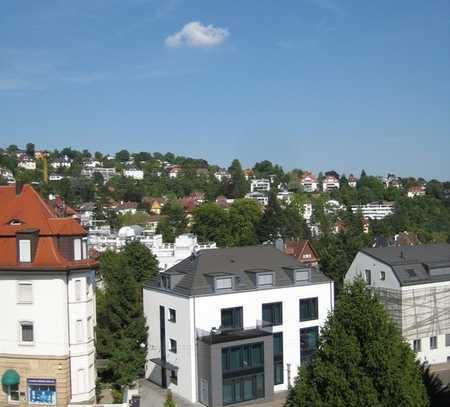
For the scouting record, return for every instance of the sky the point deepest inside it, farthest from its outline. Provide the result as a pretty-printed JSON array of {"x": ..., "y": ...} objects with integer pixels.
[{"x": 311, "y": 84}]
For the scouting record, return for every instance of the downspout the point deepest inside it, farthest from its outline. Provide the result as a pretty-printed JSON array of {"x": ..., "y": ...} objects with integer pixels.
[
  {"x": 68, "y": 332},
  {"x": 195, "y": 355}
]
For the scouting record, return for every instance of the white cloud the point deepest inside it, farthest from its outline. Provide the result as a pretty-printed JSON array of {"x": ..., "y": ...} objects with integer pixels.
[{"x": 195, "y": 34}]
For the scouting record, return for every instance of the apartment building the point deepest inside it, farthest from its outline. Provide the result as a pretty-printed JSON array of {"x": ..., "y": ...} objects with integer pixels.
[
  {"x": 375, "y": 210},
  {"x": 47, "y": 298},
  {"x": 413, "y": 283},
  {"x": 260, "y": 185},
  {"x": 234, "y": 324},
  {"x": 309, "y": 182}
]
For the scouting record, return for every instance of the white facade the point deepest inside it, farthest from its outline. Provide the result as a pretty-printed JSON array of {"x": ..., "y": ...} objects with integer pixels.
[
  {"x": 330, "y": 183},
  {"x": 309, "y": 183},
  {"x": 375, "y": 210},
  {"x": 259, "y": 197},
  {"x": 260, "y": 185},
  {"x": 420, "y": 306},
  {"x": 65, "y": 162},
  {"x": 307, "y": 211},
  {"x": 168, "y": 254},
  {"x": 55, "y": 305},
  {"x": 204, "y": 313},
  {"x": 55, "y": 177},
  {"x": 134, "y": 173},
  {"x": 27, "y": 164}
]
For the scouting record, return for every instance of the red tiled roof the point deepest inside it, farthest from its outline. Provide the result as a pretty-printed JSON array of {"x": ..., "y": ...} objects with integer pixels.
[{"x": 30, "y": 212}]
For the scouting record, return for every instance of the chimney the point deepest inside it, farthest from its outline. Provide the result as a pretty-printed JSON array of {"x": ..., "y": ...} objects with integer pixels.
[{"x": 19, "y": 187}]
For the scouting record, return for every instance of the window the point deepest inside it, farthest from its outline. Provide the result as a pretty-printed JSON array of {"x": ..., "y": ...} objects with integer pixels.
[
  {"x": 447, "y": 340},
  {"x": 27, "y": 332},
  {"x": 239, "y": 358},
  {"x": 173, "y": 346},
  {"x": 308, "y": 343},
  {"x": 272, "y": 314},
  {"x": 77, "y": 290},
  {"x": 165, "y": 282},
  {"x": 88, "y": 286},
  {"x": 433, "y": 342},
  {"x": 172, "y": 315},
  {"x": 382, "y": 275},
  {"x": 368, "y": 276},
  {"x": 264, "y": 279},
  {"x": 236, "y": 390},
  {"x": 25, "y": 293},
  {"x": 278, "y": 358},
  {"x": 79, "y": 330},
  {"x": 25, "y": 250},
  {"x": 301, "y": 275},
  {"x": 42, "y": 393},
  {"x": 417, "y": 345},
  {"x": 173, "y": 377},
  {"x": 411, "y": 273},
  {"x": 224, "y": 283},
  {"x": 77, "y": 249},
  {"x": 85, "y": 250},
  {"x": 89, "y": 328},
  {"x": 13, "y": 393},
  {"x": 231, "y": 318},
  {"x": 309, "y": 309}
]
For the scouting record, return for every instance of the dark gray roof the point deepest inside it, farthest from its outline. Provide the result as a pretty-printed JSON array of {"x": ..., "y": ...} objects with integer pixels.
[
  {"x": 195, "y": 275},
  {"x": 415, "y": 264}
]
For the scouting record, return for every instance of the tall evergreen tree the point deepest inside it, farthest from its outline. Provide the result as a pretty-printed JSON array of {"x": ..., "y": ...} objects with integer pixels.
[
  {"x": 238, "y": 184},
  {"x": 361, "y": 359},
  {"x": 271, "y": 223}
]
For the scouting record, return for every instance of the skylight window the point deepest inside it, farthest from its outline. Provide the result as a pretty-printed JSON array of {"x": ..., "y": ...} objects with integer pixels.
[
  {"x": 411, "y": 273},
  {"x": 15, "y": 222}
]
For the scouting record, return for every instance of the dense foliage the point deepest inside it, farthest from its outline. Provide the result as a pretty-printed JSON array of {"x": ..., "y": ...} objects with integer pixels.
[{"x": 361, "y": 360}]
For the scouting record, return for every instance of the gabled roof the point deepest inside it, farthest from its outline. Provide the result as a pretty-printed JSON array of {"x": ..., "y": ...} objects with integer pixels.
[
  {"x": 195, "y": 272},
  {"x": 418, "y": 264},
  {"x": 297, "y": 247}
]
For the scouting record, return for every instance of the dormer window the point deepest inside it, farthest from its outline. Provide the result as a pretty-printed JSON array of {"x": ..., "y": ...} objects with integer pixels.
[
  {"x": 264, "y": 279},
  {"x": 25, "y": 250},
  {"x": 224, "y": 283},
  {"x": 165, "y": 282},
  {"x": 302, "y": 275}
]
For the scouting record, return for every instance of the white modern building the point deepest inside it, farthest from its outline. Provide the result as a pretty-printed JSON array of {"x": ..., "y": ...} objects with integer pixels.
[
  {"x": 107, "y": 173},
  {"x": 168, "y": 254},
  {"x": 330, "y": 183},
  {"x": 309, "y": 182},
  {"x": 233, "y": 325},
  {"x": 413, "y": 283},
  {"x": 134, "y": 173},
  {"x": 47, "y": 294},
  {"x": 63, "y": 162},
  {"x": 259, "y": 197},
  {"x": 375, "y": 210},
  {"x": 260, "y": 185},
  {"x": 27, "y": 164}
]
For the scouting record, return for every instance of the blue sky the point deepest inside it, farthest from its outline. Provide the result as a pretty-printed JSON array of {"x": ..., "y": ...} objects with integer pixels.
[{"x": 313, "y": 84}]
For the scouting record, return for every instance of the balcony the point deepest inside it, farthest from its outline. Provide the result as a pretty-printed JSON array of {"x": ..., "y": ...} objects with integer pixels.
[{"x": 218, "y": 335}]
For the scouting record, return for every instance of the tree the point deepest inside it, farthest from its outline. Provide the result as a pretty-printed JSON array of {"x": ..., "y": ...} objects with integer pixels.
[
  {"x": 238, "y": 186},
  {"x": 361, "y": 359},
  {"x": 176, "y": 218},
  {"x": 211, "y": 224},
  {"x": 121, "y": 328},
  {"x": 141, "y": 260},
  {"x": 270, "y": 226},
  {"x": 30, "y": 149},
  {"x": 122, "y": 156},
  {"x": 244, "y": 217},
  {"x": 169, "y": 400}
]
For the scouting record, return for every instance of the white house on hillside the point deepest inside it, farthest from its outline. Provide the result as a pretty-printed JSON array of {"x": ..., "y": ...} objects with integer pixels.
[
  {"x": 413, "y": 283},
  {"x": 233, "y": 325}
]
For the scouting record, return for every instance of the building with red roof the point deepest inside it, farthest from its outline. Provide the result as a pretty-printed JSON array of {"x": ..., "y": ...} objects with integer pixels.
[{"x": 47, "y": 286}]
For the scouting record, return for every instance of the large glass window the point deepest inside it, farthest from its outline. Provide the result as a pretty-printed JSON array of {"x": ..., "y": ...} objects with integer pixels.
[
  {"x": 308, "y": 343},
  {"x": 231, "y": 318},
  {"x": 272, "y": 314},
  {"x": 243, "y": 357},
  {"x": 309, "y": 309},
  {"x": 243, "y": 388},
  {"x": 39, "y": 392},
  {"x": 278, "y": 358}
]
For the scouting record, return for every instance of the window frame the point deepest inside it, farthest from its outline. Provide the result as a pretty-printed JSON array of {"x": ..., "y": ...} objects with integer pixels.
[
  {"x": 262, "y": 275},
  {"x": 21, "y": 340},
  {"x": 77, "y": 289},
  {"x": 79, "y": 327},
  {"x": 20, "y": 283},
  {"x": 25, "y": 256},
  {"x": 417, "y": 345},
  {"x": 172, "y": 315},
  {"x": 173, "y": 346},
  {"x": 217, "y": 279},
  {"x": 368, "y": 276},
  {"x": 234, "y": 310},
  {"x": 10, "y": 391},
  {"x": 382, "y": 276},
  {"x": 77, "y": 249},
  {"x": 314, "y": 316},
  {"x": 433, "y": 346},
  {"x": 274, "y": 313},
  {"x": 447, "y": 340}
]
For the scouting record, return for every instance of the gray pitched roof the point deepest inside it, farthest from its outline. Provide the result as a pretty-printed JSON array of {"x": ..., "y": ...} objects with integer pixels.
[
  {"x": 415, "y": 264},
  {"x": 195, "y": 275}
]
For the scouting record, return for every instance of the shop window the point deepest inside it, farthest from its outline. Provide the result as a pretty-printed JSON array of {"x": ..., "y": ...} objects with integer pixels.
[{"x": 42, "y": 392}]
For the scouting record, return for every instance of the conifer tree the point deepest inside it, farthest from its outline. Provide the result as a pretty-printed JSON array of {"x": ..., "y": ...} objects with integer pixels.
[{"x": 361, "y": 360}]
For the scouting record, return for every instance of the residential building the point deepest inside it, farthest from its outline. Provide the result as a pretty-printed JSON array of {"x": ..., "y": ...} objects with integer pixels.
[
  {"x": 168, "y": 254},
  {"x": 375, "y": 210},
  {"x": 154, "y": 204},
  {"x": 417, "y": 190},
  {"x": 248, "y": 174},
  {"x": 352, "y": 181},
  {"x": 222, "y": 175},
  {"x": 260, "y": 185},
  {"x": 330, "y": 183},
  {"x": 63, "y": 162},
  {"x": 86, "y": 214},
  {"x": 105, "y": 172},
  {"x": 174, "y": 171},
  {"x": 233, "y": 324},
  {"x": 284, "y": 196},
  {"x": 123, "y": 207},
  {"x": 47, "y": 298},
  {"x": 134, "y": 173},
  {"x": 27, "y": 164},
  {"x": 309, "y": 182},
  {"x": 259, "y": 197},
  {"x": 307, "y": 211},
  {"x": 413, "y": 283},
  {"x": 302, "y": 250},
  {"x": 7, "y": 174}
]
